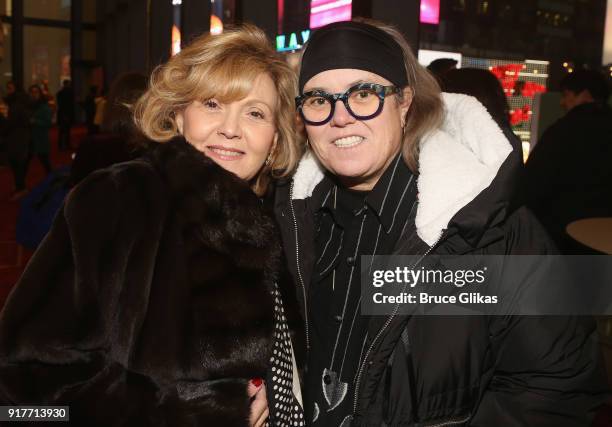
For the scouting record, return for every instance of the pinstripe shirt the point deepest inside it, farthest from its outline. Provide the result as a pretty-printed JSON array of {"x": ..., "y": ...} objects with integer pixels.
[{"x": 349, "y": 224}]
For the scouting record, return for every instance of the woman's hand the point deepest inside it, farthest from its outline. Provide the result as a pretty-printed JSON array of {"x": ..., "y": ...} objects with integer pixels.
[{"x": 259, "y": 402}]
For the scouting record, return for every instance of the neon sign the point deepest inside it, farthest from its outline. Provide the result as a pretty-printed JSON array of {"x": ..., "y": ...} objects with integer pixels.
[
  {"x": 430, "y": 11},
  {"x": 292, "y": 41},
  {"x": 323, "y": 12}
]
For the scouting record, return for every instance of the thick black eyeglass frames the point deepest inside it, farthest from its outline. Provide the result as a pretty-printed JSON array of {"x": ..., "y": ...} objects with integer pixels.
[{"x": 363, "y": 101}]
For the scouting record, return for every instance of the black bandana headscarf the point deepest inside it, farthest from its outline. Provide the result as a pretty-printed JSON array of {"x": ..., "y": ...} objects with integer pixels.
[{"x": 353, "y": 45}]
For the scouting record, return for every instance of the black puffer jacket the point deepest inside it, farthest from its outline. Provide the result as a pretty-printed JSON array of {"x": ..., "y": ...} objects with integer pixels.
[
  {"x": 472, "y": 370},
  {"x": 568, "y": 174}
]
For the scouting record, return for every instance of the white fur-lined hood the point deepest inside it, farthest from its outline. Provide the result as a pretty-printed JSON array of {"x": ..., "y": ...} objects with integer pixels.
[{"x": 456, "y": 162}]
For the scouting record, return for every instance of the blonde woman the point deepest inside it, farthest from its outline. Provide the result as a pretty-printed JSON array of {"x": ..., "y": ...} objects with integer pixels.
[{"x": 154, "y": 298}]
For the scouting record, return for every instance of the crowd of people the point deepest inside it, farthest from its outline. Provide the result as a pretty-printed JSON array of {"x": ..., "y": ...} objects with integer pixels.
[
  {"x": 25, "y": 122},
  {"x": 567, "y": 176},
  {"x": 205, "y": 267}
]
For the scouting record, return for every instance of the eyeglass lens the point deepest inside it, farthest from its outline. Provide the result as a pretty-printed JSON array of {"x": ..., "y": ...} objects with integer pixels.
[{"x": 361, "y": 103}]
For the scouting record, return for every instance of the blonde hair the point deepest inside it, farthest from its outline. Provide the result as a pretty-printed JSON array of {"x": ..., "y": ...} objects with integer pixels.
[{"x": 223, "y": 66}]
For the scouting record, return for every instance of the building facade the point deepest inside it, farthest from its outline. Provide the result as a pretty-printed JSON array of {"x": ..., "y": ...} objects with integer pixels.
[{"x": 93, "y": 41}]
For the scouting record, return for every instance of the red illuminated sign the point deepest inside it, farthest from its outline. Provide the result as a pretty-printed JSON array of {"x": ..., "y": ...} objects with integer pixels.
[
  {"x": 323, "y": 12},
  {"x": 430, "y": 11}
]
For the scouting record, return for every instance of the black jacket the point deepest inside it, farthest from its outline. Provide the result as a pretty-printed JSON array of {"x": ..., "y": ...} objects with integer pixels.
[
  {"x": 65, "y": 105},
  {"x": 472, "y": 370},
  {"x": 15, "y": 128},
  {"x": 100, "y": 151},
  {"x": 568, "y": 175},
  {"x": 149, "y": 302}
]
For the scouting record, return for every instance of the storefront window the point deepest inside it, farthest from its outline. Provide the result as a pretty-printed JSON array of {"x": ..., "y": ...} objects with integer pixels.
[
  {"x": 296, "y": 18},
  {"x": 89, "y": 11},
  {"x": 6, "y": 62},
  {"x": 221, "y": 12},
  {"x": 176, "y": 28},
  {"x": 46, "y": 56},
  {"x": 5, "y": 7},
  {"x": 47, "y": 9},
  {"x": 89, "y": 45}
]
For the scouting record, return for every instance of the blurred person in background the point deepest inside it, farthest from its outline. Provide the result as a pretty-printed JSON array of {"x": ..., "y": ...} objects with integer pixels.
[
  {"x": 568, "y": 175},
  {"x": 439, "y": 67},
  {"x": 65, "y": 114},
  {"x": 46, "y": 94},
  {"x": 486, "y": 88},
  {"x": 15, "y": 133},
  {"x": 41, "y": 120},
  {"x": 89, "y": 106},
  {"x": 100, "y": 102},
  {"x": 119, "y": 140}
]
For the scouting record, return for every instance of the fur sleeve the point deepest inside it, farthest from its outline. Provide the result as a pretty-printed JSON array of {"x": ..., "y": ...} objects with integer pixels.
[
  {"x": 65, "y": 334},
  {"x": 103, "y": 318}
]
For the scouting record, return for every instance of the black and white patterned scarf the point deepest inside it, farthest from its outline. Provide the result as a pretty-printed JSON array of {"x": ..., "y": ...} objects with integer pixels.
[{"x": 285, "y": 409}]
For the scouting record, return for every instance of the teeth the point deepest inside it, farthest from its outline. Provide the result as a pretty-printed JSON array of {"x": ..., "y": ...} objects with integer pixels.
[
  {"x": 349, "y": 141},
  {"x": 225, "y": 152}
]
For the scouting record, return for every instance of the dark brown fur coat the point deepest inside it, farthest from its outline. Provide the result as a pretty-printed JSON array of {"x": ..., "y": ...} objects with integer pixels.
[{"x": 149, "y": 301}]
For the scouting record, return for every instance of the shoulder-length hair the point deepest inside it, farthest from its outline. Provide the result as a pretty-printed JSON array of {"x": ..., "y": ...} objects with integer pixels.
[
  {"x": 426, "y": 111},
  {"x": 224, "y": 67},
  {"x": 124, "y": 92}
]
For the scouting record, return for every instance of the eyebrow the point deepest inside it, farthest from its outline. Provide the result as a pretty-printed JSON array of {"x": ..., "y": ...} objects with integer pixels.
[
  {"x": 350, "y": 85},
  {"x": 259, "y": 101}
]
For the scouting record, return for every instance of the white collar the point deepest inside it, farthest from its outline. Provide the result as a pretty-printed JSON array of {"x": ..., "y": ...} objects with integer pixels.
[{"x": 456, "y": 162}]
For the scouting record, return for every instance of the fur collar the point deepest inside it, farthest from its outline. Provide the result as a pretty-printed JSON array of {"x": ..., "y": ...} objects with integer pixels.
[
  {"x": 219, "y": 208},
  {"x": 456, "y": 162}
]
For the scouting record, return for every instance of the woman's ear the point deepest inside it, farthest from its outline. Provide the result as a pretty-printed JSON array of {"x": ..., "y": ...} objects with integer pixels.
[
  {"x": 275, "y": 142},
  {"x": 178, "y": 118},
  {"x": 406, "y": 101}
]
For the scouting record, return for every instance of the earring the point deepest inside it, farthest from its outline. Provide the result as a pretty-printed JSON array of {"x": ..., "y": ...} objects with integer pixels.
[{"x": 268, "y": 159}]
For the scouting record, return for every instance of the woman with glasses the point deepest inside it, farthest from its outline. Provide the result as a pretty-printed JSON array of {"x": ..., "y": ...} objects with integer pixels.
[
  {"x": 397, "y": 168},
  {"x": 155, "y": 298}
]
